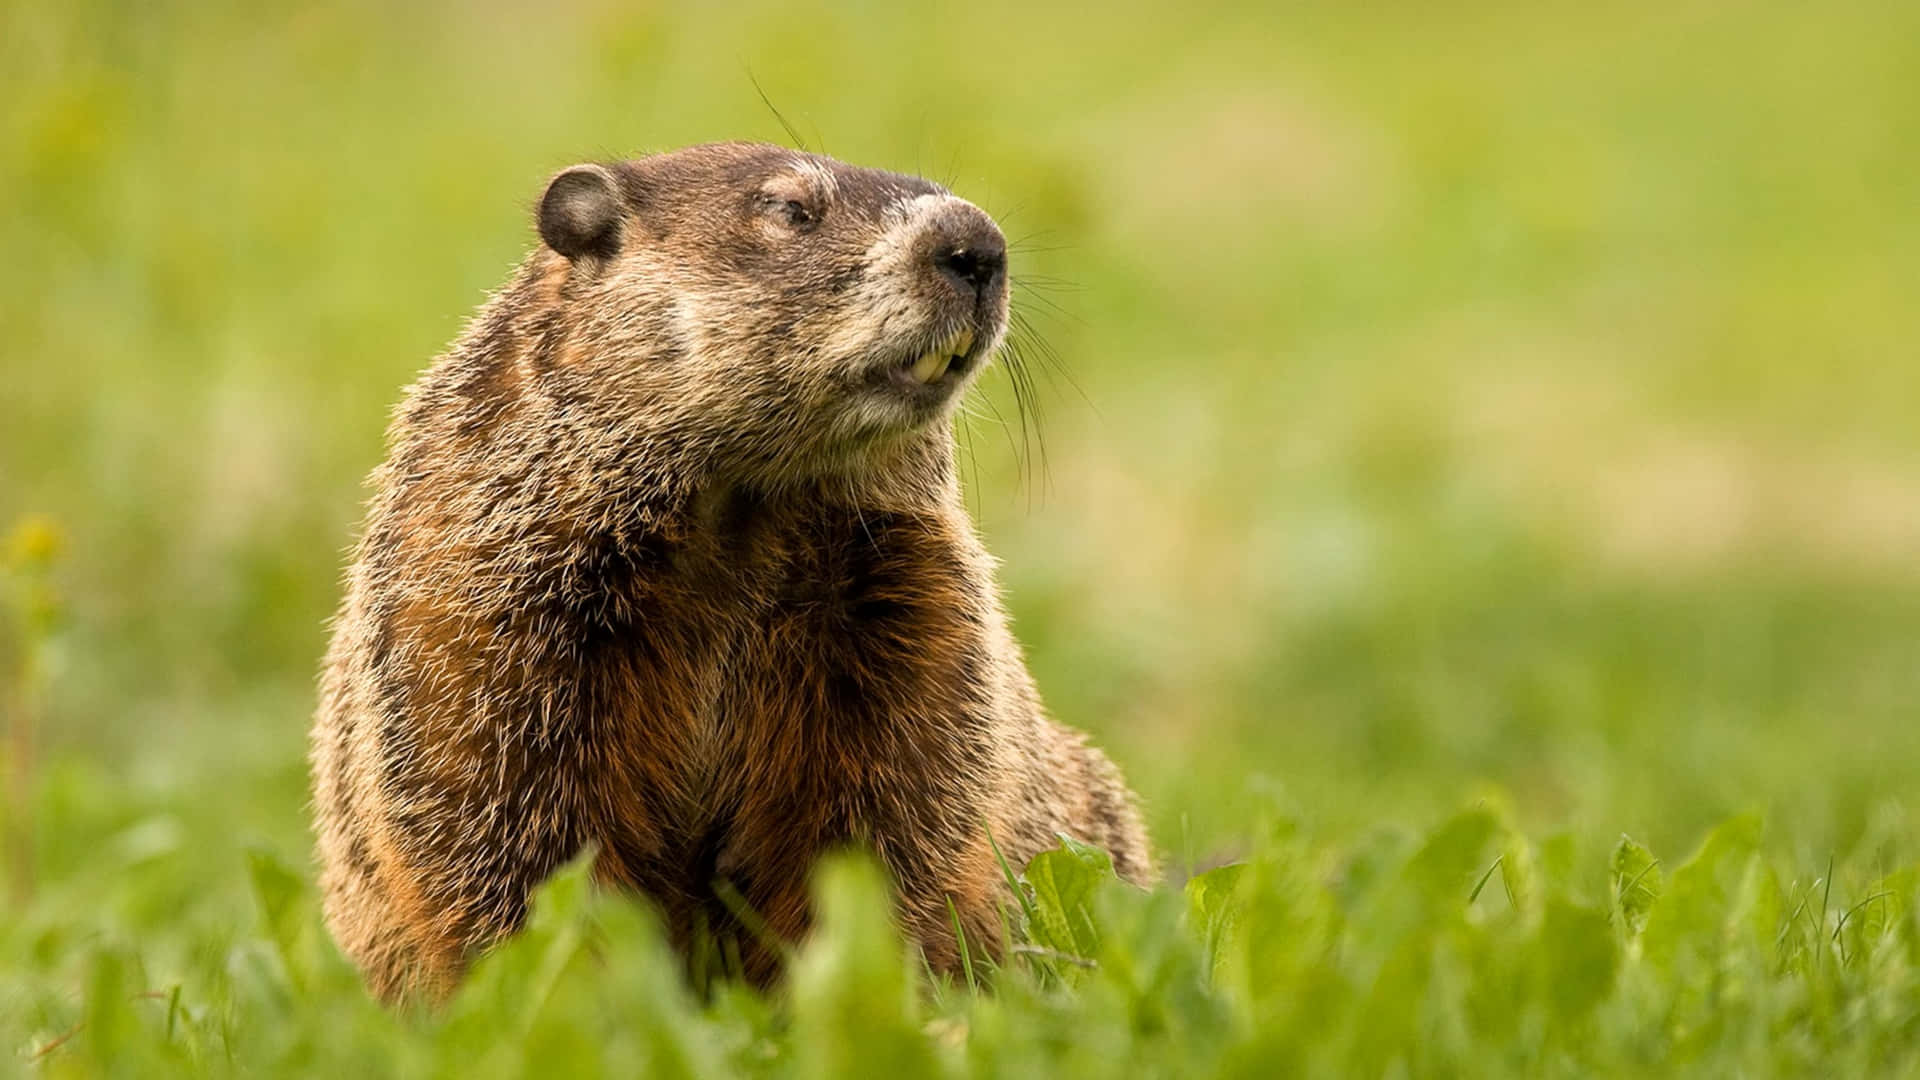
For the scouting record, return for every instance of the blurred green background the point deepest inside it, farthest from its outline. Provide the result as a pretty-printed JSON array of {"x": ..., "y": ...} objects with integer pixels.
[{"x": 1466, "y": 393}]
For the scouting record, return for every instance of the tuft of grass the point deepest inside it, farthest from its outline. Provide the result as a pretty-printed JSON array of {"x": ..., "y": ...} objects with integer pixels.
[{"x": 1277, "y": 965}]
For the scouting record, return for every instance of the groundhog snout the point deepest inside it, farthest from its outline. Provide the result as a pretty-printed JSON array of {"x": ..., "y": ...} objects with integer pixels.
[{"x": 967, "y": 252}]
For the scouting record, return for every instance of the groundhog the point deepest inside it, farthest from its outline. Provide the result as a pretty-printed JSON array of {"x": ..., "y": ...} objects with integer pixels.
[{"x": 668, "y": 558}]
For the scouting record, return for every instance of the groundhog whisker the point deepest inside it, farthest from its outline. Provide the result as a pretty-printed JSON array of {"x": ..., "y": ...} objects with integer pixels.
[
  {"x": 1023, "y": 340},
  {"x": 1006, "y": 429},
  {"x": 966, "y": 416},
  {"x": 1026, "y": 245},
  {"x": 1052, "y": 363},
  {"x": 1018, "y": 383},
  {"x": 1033, "y": 283}
]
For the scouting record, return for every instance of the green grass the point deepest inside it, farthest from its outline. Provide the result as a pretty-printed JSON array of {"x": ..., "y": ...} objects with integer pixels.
[
  {"x": 1495, "y": 432},
  {"x": 1468, "y": 950}
]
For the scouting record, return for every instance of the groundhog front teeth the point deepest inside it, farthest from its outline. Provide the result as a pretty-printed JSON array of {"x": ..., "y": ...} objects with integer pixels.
[{"x": 933, "y": 364}]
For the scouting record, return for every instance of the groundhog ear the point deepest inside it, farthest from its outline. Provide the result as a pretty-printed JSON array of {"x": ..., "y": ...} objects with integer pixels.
[{"x": 580, "y": 213}]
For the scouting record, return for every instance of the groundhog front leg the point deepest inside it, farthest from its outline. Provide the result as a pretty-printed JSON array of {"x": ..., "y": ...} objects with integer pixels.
[
  {"x": 963, "y": 885},
  {"x": 1075, "y": 790},
  {"x": 940, "y": 864},
  {"x": 1069, "y": 788},
  {"x": 409, "y": 942},
  {"x": 454, "y": 771},
  {"x": 429, "y": 852}
]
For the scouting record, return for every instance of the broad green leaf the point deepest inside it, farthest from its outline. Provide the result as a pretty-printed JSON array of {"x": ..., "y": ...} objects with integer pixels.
[
  {"x": 1557, "y": 861},
  {"x": 1699, "y": 902},
  {"x": 1453, "y": 857},
  {"x": 1369, "y": 864},
  {"x": 1519, "y": 874},
  {"x": 1215, "y": 907},
  {"x": 513, "y": 985},
  {"x": 649, "y": 981},
  {"x": 278, "y": 892},
  {"x": 1063, "y": 882},
  {"x": 559, "y": 918},
  {"x": 855, "y": 997},
  {"x": 1764, "y": 910},
  {"x": 1636, "y": 883},
  {"x": 563, "y": 899},
  {"x": 1408, "y": 929},
  {"x": 1578, "y": 958}
]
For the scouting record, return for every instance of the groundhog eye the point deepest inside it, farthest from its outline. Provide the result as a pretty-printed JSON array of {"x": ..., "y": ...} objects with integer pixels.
[{"x": 789, "y": 211}]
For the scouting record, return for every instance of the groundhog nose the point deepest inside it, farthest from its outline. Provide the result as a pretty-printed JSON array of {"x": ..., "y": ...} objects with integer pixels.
[
  {"x": 973, "y": 267},
  {"x": 973, "y": 258}
]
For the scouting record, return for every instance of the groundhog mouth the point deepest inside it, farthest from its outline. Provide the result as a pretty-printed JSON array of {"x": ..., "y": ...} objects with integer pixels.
[{"x": 938, "y": 368}]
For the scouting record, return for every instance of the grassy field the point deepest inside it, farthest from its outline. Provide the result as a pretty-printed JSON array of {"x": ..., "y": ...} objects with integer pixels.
[{"x": 1492, "y": 430}]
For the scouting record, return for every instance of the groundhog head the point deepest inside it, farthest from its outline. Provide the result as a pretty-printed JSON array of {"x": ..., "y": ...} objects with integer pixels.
[{"x": 793, "y": 312}]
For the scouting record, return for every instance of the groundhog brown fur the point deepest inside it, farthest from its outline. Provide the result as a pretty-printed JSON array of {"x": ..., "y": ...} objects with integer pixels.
[{"x": 668, "y": 558}]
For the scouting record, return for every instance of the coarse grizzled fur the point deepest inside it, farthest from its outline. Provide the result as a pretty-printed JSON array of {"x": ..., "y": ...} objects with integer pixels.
[{"x": 668, "y": 557}]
